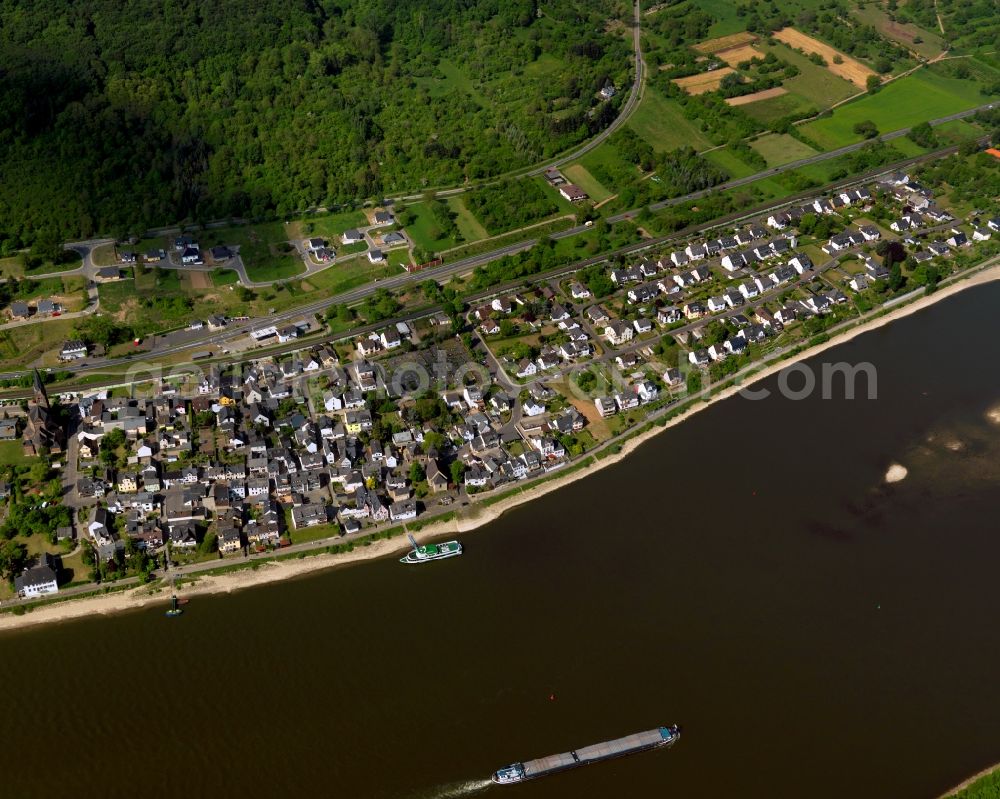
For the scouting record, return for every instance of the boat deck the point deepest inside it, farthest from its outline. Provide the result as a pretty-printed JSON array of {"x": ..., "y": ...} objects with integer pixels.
[
  {"x": 542, "y": 765},
  {"x": 629, "y": 743}
]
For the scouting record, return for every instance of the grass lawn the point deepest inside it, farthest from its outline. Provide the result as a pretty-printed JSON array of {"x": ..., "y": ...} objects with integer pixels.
[
  {"x": 104, "y": 255},
  {"x": 816, "y": 84},
  {"x": 470, "y": 227},
  {"x": 919, "y": 97},
  {"x": 579, "y": 175},
  {"x": 780, "y": 148},
  {"x": 29, "y": 343},
  {"x": 12, "y": 454},
  {"x": 425, "y": 231},
  {"x": 348, "y": 275},
  {"x": 608, "y": 168},
  {"x": 399, "y": 258},
  {"x": 327, "y": 226},
  {"x": 661, "y": 123},
  {"x": 731, "y": 162},
  {"x": 224, "y": 277}
]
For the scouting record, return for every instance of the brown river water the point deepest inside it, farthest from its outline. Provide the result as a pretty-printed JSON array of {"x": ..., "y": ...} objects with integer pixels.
[{"x": 747, "y": 574}]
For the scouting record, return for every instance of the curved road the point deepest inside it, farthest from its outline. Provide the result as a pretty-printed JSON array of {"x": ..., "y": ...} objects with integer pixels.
[{"x": 635, "y": 95}]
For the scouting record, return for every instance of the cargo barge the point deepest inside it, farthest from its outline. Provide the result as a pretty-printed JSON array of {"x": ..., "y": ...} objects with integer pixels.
[{"x": 630, "y": 744}]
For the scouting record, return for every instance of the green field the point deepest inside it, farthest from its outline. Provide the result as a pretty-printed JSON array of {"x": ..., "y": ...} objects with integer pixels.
[
  {"x": 608, "y": 168},
  {"x": 661, "y": 123},
  {"x": 348, "y": 275},
  {"x": 224, "y": 277},
  {"x": 816, "y": 84},
  {"x": 12, "y": 454},
  {"x": 775, "y": 108},
  {"x": 723, "y": 13},
  {"x": 579, "y": 175},
  {"x": 425, "y": 230},
  {"x": 731, "y": 162},
  {"x": 327, "y": 226},
  {"x": 264, "y": 248},
  {"x": 902, "y": 32},
  {"x": 545, "y": 64},
  {"x": 470, "y": 227},
  {"x": 922, "y": 96},
  {"x": 780, "y": 148},
  {"x": 29, "y": 343},
  {"x": 450, "y": 77}
]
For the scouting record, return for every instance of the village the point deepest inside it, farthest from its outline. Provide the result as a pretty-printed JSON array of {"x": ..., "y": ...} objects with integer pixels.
[{"x": 365, "y": 433}]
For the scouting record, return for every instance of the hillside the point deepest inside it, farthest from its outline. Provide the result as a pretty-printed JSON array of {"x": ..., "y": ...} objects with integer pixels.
[{"x": 119, "y": 116}]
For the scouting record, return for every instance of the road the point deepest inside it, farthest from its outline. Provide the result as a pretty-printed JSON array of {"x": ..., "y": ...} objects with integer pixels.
[
  {"x": 628, "y": 107},
  {"x": 181, "y": 341}
]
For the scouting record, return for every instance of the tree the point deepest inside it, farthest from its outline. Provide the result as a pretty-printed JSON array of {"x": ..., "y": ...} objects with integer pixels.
[
  {"x": 13, "y": 556},
  {"x": 866, "y": 128},
  {"x": 417, "y": 473},
  {"x": 457, "y": 471},
  {"x": 873, "y": 84}
]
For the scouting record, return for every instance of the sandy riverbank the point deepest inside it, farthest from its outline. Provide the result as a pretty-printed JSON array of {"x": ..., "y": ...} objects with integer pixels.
[
  {"x": 473, "y": 517},
  {"x": 969, "y": 782}
]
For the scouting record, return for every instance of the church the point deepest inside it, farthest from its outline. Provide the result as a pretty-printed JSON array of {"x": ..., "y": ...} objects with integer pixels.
[{"x": 42, "y": 432}]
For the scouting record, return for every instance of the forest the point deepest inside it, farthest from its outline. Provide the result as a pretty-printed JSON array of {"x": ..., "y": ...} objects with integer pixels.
[{"x": 117, "y": 117}]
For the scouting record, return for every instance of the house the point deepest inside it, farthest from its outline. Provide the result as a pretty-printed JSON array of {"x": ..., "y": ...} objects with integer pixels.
[
  {"x": 352, "y": 237},
  {"x": 994, "y": 224},
  {"x": 315, "y": 245},
  {"x": 38, "y": 580},
  {"x": 375, "y": 255},
  {"x": 20, "y": 310},
  {"x": 572, "y": 192},
  {"x": 618, "y": 333},
  {"x": 981, "y": 233},
  {"x": 526, "y": 368},
  {"x": 191, "y": 255},
  {"x": 403, "y": 510},
  {"x": 46, "y": 307},
  {"x": 221, "y": 253},
  {"x": 579, "y": 291},
  {"x": 957, "y": 239},
  {"x": 8, "y": 430},
  {"x": 597, "y": 315},
  {"x": 605, "y": 406},
  {"x": 800, "y": 262},
  {"x": 309, "y": 514},
  {"x": 642, "y": 325},
  {"x": 73, "y": 350},
  {"x": 108, "y": 273},
  {"x": 382, "y": 218},
  {"x": 698, "y": 357},
  {"x": 436, "y": 479},
  {"x": 858, "y": 283},
  {"x": 716, "y": 304},
  {"x": 393, "y": 239}
]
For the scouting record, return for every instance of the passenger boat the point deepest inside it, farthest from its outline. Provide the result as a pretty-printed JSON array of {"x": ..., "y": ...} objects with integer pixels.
[{"x": 429, "y": 552}]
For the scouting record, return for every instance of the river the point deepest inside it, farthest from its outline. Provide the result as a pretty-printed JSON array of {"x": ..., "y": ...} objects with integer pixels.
[{"x": 747, "y": 574}]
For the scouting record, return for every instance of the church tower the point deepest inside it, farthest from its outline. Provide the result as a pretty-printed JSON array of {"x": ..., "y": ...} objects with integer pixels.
[{"x": 41, "y": 395}]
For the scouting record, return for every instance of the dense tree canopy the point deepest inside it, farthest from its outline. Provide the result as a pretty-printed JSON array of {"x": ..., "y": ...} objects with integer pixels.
[{"x": 120, "y": 116}]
